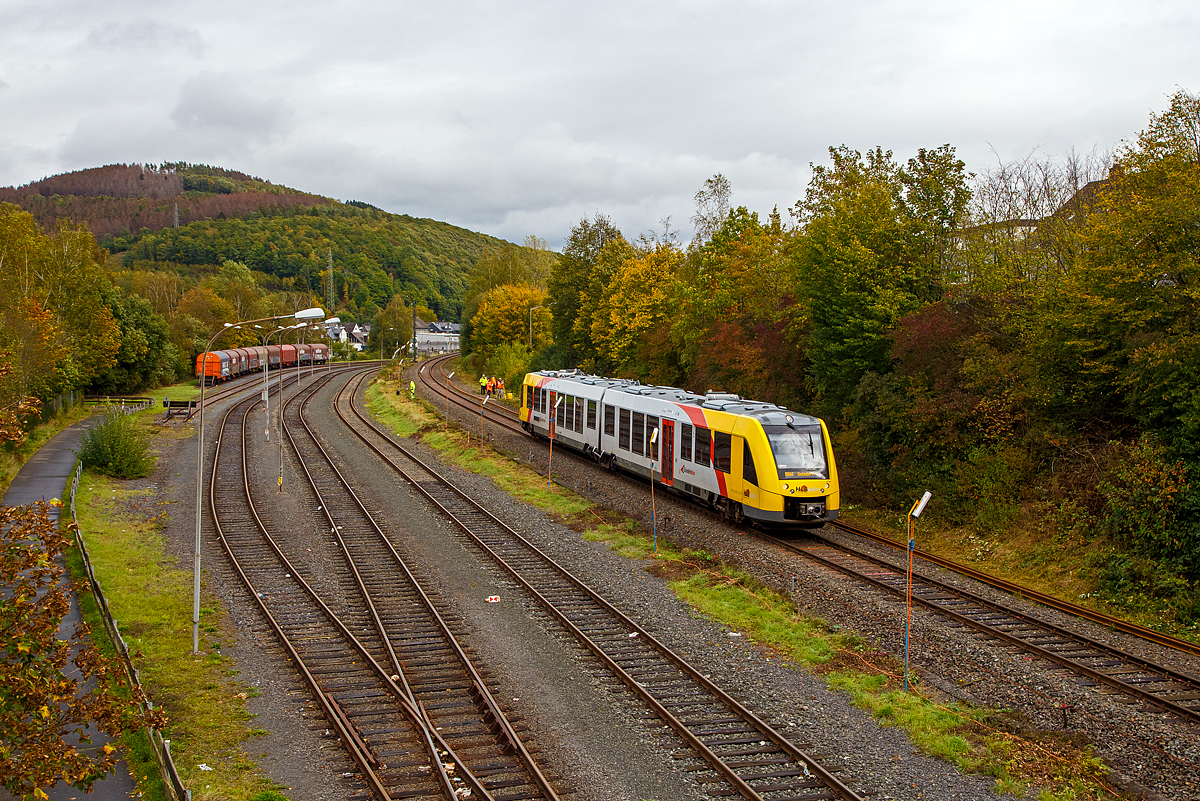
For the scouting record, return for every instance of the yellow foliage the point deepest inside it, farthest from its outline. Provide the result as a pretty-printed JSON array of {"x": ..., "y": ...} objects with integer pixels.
[
  {"x": 638, "y": 297},
  {"x": 504, "y": 318}
]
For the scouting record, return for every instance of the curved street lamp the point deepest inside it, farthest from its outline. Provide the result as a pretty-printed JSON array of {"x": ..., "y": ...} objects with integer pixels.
[{"x": 307, "y": 314}]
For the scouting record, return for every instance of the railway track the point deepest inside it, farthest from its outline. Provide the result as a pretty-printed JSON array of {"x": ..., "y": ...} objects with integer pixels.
[
  {"x": 1141, "y": 679},
  {"x": 417, "y": 640},
  {"x": 739, "y": 753},
  {"x": 1094, "y": 662},
  {"x": 342, "y": 658},
  {"x": 253, "y": 381}
]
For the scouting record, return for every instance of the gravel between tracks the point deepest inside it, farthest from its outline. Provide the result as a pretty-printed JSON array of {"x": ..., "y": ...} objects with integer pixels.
[{"x": 601, "y": 744}]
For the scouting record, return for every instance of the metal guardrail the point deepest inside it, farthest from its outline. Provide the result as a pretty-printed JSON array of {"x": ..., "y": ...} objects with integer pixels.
[
  {"x": 160, "y": 746},
  {"x": 127, "y": 404}
]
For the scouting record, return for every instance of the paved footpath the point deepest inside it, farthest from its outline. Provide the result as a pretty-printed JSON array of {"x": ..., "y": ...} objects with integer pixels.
[{"x": 46, "y": 476}]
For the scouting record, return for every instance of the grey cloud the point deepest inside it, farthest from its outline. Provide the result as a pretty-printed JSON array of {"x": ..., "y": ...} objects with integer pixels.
[
  {"x": 516, "y": 118},
  {"x": 145, "y": 34},
  {"x": 216, "y": 105}
]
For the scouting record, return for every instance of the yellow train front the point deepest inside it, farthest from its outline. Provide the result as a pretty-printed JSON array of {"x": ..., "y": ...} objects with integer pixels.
[{"x": 751, "y": 460}]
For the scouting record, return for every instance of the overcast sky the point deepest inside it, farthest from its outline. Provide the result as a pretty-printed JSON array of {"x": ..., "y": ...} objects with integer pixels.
[{"x": 520, "y": 118}]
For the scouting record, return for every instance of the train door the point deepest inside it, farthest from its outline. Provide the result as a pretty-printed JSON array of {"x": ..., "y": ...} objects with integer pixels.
[
  {"x": 667, "y": 471},
  {"x": 552, "y": 415}
]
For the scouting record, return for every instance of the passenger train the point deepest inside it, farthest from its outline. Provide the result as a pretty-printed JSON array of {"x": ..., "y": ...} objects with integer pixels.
[
  {"x": 221, "y": 365},
  {"x": 750, "y": 460}
]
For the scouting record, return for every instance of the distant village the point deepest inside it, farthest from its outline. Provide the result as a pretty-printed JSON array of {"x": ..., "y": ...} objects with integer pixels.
[{"x": 435, "y": 337}]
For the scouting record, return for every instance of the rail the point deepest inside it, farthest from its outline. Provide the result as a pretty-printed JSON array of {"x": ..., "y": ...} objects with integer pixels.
[{"x": 737, "y": 747}]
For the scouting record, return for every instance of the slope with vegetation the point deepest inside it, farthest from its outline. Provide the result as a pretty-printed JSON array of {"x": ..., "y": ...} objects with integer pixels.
[{"x": 134, "y": 314}]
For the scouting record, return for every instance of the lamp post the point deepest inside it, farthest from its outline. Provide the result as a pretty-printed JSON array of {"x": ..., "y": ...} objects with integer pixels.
[
  {"x": 279, "y": 370},
  {"x": 531, "y": 311},
  {"x": 913, "y": 514},
  {"x": 312, "y": 368},
  {"x": 266, "y": 369},
  {"x": 306, "y": 314},
  {"x": 553, "y": 424},
  {"x": 293, "y": 328}
]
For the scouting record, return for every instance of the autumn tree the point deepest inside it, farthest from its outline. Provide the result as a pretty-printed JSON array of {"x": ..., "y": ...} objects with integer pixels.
[
  {"x": 57, "y": 326},
  {"x": 44, "y": 710},
  {"x": 735, "y": 301},
  {"x": 712, "y": 207},
  {"x": 1123, "y": 334},
  {"x": 875, "y": 239},
  {"x": 576, "y": 281},
  {"x": 392, "y": 326},
  {"x": 638, "y": 299},
  {"x": 503, "y": 318},
  {"x": 236, "y": 284}
]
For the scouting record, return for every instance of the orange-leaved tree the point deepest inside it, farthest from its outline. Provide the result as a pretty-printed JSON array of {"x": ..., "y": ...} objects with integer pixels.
[{"x": 45, "y": 706}]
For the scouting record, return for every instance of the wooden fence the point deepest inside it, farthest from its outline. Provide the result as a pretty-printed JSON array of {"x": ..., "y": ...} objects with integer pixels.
[{"x": 160, "y": 746}]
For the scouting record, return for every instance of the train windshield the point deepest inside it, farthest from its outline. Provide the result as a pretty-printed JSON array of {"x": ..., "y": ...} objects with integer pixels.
[{"x": 799, "y": 451}]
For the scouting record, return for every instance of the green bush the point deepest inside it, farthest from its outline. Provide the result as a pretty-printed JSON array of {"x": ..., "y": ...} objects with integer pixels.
[
  {"x": 269, "y": 795},
  {"x": 115, "y": 447}
]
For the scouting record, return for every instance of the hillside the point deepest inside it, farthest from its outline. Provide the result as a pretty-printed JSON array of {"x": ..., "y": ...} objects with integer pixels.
[
  {"x": 288, "y": 234},
  {"x": 120, "y": 198}
]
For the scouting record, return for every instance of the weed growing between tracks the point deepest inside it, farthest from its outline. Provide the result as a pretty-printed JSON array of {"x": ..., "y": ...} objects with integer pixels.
[
  {"x": 151, "y": 600},
  {"x": 979, "y": 741}
]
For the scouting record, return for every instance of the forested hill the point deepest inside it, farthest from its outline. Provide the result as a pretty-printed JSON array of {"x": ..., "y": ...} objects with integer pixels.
[
  {"x": 284, "y": 233},
  {"x": 119, "y": 198}
]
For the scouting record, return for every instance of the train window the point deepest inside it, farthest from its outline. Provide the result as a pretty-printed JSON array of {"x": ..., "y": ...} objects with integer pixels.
[
  {"x": 703, "y": 446},
  {"x": 799, "y": 451},
  {"x": 685, "y": 442},
  {"x": 623, "y": 440},
  {"x": 591, "y": 415},
  {"x": 748, "y": 471},
  {"x": 722, "y": 451},
  {"x": 579, "y": 415},
  {"x": 569, "y": 407},
  {"x": 530, "y": 395},
  {"x": 558, "y": 421},
  {"x": 639, "y": 432},
  {"x": 651, "y": 427},
  {"x": 610, "y": 420}
]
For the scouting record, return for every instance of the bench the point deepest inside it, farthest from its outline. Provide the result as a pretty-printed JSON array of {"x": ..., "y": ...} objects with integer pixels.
[{"x": 184, "y": 407}]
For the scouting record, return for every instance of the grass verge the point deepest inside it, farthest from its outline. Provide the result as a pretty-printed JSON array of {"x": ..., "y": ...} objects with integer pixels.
[
  {"x": 981, "y": 741},
  {"x": 151, "y": 599}
]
